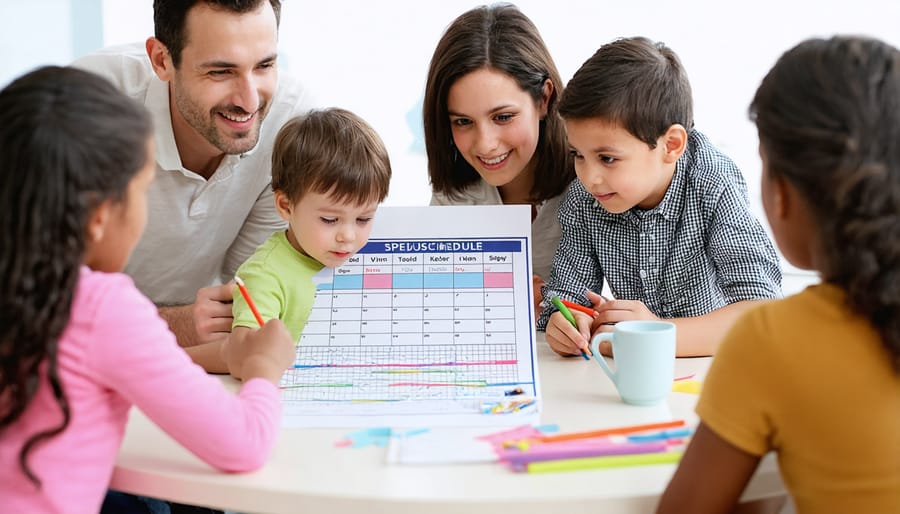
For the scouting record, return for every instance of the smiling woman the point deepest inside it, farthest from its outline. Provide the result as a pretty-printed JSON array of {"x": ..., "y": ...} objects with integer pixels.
[
  {"x": 496, "y": 132},
  {"x": 492, "y": 133}
]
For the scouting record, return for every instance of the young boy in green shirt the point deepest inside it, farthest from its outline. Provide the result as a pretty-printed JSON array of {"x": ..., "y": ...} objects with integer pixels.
[{"x": 330, "y": 170}]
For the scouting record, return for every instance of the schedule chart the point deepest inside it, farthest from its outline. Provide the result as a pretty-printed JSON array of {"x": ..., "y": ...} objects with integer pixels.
[{"x": 416, "y": 326}]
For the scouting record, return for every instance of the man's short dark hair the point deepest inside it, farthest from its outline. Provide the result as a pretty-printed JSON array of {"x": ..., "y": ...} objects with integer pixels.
[{"x": 169, "y": 19}]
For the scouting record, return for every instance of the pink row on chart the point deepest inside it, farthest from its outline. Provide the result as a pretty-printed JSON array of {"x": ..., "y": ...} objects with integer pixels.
[{"x": 385, "y": 281}]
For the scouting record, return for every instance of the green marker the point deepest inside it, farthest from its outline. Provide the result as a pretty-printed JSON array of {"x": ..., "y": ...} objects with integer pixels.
[{"x": 569, "y": 317}]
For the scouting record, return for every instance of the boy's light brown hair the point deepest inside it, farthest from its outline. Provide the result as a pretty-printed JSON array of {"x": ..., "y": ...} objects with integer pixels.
[{"x": 334, "y": 152}]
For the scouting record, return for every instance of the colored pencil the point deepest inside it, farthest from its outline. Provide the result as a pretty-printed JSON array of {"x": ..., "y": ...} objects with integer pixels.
[
  {"x": 580, "y": 308},
  {"x": 662, "y": 435},
  {"x": 561, "y": 451},
  {"x": 611, "y": 431},
  {"x": 246, "y": 295},
  {"x": 568, "y": 315},
  {"x": 604, "y": 462}
]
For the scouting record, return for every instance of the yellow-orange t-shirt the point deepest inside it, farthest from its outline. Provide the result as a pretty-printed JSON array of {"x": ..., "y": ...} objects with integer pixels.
[{"x": 809, "y": 379}]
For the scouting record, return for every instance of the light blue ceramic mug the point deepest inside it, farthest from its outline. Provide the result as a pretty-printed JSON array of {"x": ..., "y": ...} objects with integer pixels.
[{"x": 644, "y": 357}]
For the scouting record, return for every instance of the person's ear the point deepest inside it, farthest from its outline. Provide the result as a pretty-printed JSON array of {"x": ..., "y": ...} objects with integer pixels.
[
  {"x": 283, "y": 205},
  {"x": 546, "y": 93},
  {"x": 160, "y": 59},
  {"x": 674, "y": 142},
  {"x": 782, "y": 202},
  {"x": 97, "y": 221}
]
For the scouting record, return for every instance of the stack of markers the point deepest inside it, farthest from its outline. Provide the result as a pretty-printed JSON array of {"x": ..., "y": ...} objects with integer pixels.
[{"x": 625, "y": 446}]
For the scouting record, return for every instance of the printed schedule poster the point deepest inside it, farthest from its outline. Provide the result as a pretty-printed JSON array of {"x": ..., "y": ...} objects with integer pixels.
[{"x": 431, "y": 323}]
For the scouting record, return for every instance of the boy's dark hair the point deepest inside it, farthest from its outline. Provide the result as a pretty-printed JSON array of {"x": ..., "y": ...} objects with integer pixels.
[
  {"x": 169, "y": 17},
  {"x": 634, "y": 82},
  {"x": 331, "y": 151},
  {"x": 71, "y": 140},
  {"x": 498, "y": 37},
  {"x": 828, "y": 117}
]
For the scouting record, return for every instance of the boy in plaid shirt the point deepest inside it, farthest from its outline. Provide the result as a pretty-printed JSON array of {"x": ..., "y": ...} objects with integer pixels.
[{"x": 657, "y": 211}]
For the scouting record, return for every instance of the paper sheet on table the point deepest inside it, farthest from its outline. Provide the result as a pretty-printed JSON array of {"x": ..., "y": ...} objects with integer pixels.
[{"x": 442, "y": 446}]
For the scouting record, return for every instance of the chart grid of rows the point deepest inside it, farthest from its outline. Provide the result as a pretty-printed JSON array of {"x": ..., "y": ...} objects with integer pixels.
[
  {"x": 392, "y": 373},
  {"x": 413, "y": 320}
]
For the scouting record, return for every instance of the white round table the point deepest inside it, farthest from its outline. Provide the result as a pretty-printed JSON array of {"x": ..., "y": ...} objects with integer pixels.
[{"x": 308, "y": 473}]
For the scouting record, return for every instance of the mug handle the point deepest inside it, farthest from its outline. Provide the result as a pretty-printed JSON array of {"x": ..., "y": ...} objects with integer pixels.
[{"x": 595, "y": 349}]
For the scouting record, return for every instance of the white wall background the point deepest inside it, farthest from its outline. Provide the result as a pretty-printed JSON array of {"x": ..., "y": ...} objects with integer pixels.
[{"x": 372, "y": 57}]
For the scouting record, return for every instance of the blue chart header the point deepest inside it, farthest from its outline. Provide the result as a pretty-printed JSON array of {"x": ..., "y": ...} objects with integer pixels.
[{"x": 440, "y": 246}]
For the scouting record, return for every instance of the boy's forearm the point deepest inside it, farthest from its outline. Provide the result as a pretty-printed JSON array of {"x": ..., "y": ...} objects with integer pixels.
[{"x": 700, "y": 336}]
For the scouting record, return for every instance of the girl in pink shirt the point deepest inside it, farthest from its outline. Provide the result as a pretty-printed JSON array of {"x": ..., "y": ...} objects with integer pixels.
[{"x": 79, "y": 345}]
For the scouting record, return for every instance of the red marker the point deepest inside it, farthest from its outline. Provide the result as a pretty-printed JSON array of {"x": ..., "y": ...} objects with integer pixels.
[
  {"x": 580, "y": 308},
  {"x": 246, "y": 295}
]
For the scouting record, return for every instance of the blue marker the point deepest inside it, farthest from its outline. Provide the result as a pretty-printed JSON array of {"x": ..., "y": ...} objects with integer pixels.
[{"x": 660, "y": 436}]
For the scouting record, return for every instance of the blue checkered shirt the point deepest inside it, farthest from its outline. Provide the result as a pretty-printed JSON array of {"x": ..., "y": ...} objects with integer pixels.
[{"x": 698, "y": 250}]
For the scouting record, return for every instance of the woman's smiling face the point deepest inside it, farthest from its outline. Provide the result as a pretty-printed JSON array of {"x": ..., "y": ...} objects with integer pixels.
[{"x": 495, "y": 125}]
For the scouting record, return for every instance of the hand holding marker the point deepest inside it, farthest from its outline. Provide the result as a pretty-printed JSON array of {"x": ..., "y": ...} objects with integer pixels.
[{"x": 569, "y": 317}]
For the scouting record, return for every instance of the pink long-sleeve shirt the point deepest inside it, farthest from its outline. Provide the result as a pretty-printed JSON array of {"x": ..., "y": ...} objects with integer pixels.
[{"x": 117, "y": 352}]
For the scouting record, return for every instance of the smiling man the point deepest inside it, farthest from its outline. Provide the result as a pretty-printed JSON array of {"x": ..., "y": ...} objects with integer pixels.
[{"x": 209, "y": 76}]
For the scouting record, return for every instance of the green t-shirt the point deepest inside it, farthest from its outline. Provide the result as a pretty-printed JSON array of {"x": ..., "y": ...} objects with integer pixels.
[{"x": 279, "y": 279}]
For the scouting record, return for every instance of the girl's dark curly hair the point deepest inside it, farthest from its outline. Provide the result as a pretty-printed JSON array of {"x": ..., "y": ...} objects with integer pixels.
[
  {"x": 70, "y": 140},
  {"x": 828, "y": 116}
]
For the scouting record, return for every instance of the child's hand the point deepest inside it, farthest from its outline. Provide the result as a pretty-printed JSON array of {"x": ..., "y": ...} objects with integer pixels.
[
  {"x": 614, "y": 311},
  {"x": 265, "y": 353},
  {"x": 565, "y": 339},
  {"x": 610, "y": 312},
  {"x": 595, "y": 299}
]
